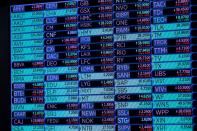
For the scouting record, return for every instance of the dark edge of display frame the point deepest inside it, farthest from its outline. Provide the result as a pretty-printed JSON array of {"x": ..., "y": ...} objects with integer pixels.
[{"x": 5, "y": 87}]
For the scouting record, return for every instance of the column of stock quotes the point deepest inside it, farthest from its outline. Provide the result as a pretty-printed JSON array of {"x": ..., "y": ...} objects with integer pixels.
[{"x": 104, "y": 65}]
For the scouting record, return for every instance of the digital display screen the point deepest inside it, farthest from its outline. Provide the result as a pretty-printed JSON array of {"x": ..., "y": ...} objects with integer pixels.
[{"x": 104, "y": 65}]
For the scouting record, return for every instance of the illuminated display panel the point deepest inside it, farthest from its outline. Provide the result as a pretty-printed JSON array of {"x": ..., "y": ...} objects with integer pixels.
[{"x": 104, "y": 65}]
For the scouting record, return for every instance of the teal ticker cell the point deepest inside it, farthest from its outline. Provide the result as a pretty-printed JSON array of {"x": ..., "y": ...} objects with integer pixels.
[
  {"x": 35, "y": 78},
  {"x": 29, "y": 128},
  {"x": 62, "y": 127},
  {"x": 96, "y": 98},
  {"x": 171, "y": 26},
  {"x": 29, "y": 57},
  {"x": 50, "y": 70},
  {"x": 26, "y": 29},
  {"x": 61, "y": 99},
  {"x": 172, "y": 120},
  {"x": 31, "y": 71},
  {"x": 92, "y": 32},
  {"x": 171, "y": 65},
  {"x": 133, "y": 105},
  {"x": 62, "y": 85},
  {"x": 95, "y": 127},
  {"x": 26, "y": 22},
  {"x": 172, "y": 96},
  {"x": 39, "y": 35},
  {"x": 60, "y": 114},
  {"x": 132, "y": 82},
  {"x": 128, "y": 37},
  {"x": 61, "y": 12},
  {"x": 171, "y": 34},
  {"x": 27, "y": 107},
  {"x": 61, "y": 92},
  {"x": 27, "y": 43},
  {"x": 129, "y": 90},
  {"x": 27, "y": 15},
  {"x": 61, "y": 70},
  {"x": 94, "y": 76},
  {"x": 171, "y": 57},
  {"x": 29, "y": 50},
  {"x": 173, "y": 127},
  {"x": 93, "y": 91},
  {"x": 172, "y": 104},
  {"x": 172, "y": 81}
]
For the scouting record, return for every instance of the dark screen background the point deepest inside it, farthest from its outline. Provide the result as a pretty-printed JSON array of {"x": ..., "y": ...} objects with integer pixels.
[{"x": 5, "y": 119}]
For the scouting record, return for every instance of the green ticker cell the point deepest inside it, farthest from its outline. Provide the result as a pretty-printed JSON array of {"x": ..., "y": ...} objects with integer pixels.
[
  {"x": 171, "y": 65},
  {"x": 171, "y": 57},
  {"x": 26, "y": 22},
  {"x": 61, "y": 12},
  {"x": 172, "y": 81},
  {"x": 172, "y": 104},
  {"x": 172, "y": 120},
  {"x": 171, "y": 26},
  {"x": 27, "y": 43},
  {"x": 31, "y": 57},
  {"x": 27, "y": 15},
  {"x": 28, "y": 36},
  {"x": 27, "y": 107},
  {"x": 29, "y": 50},
  {"x": 26, "y": 29}
]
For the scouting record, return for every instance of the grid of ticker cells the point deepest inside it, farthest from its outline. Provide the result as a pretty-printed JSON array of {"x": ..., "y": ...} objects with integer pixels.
[{"x": 104, "y": 65}]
